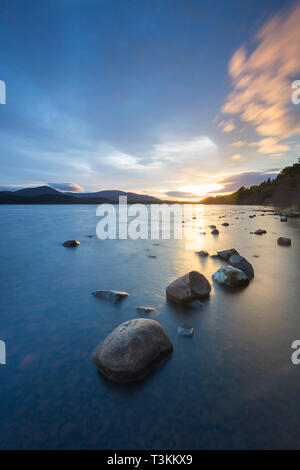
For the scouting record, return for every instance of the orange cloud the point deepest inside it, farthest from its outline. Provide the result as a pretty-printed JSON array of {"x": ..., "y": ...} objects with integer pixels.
[{"x": 262, "y": 80}]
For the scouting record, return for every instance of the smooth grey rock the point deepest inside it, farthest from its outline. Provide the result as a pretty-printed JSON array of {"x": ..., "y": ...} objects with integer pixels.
[
  {"x": 145, "y": 309},
  {"x": 71, "y": 243},
  {"x": 225, "y": 254},
  {"x": 111, "y": 295},
  {"x": 182, "y": 331},
  {"x": 130, "y": 351},
  {"x": 284, "y": 241},
  {"x": 241, "y": 263},
  {"x": 231, "y": 277},
  {"x": 191, "y": 286},
  {"x": 260, "y": 231}
]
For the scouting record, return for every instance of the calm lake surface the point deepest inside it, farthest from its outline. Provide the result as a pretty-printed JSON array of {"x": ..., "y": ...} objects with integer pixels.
[{"x": 230, "y": 386}]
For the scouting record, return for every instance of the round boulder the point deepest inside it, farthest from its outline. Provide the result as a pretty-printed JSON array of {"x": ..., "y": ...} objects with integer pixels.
[
  {"x": 191, "y": 286},
  {"x": 132, "y": 349}
]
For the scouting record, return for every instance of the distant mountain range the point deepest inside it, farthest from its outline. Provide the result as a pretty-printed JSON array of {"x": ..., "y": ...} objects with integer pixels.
[
  {"x": 284, "y": 190},
  {"x": 48, "y": 195}
]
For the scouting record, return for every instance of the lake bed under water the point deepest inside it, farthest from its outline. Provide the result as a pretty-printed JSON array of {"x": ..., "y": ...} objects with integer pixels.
[{"x": 232, "y": 385}]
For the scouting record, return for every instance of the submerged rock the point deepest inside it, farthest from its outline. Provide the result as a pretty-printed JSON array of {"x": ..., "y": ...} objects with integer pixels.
[
  {"x": 202, "y": 253},
  {"x": 145, "y": 309},
  {"x": 111, "y": 295},
  {"x": 182, "y": 331},
  {"x": 226, "y": 224},
  {"x": 284, "y": 241},
  {"x": 71, "y": 243},
  {"x": 212, "y": 226},
  {"x": 130, "y": 351},
  {"x": 215, "y": 231},
  {"x": 260, "y": 231},
  {"x": 241, "y": 263},
  {"x": 231, "y": 277},
  {"x": 225, "y": 254},
  {"x": 191, "y": 286},
  {"x": 283, "y": 218}
]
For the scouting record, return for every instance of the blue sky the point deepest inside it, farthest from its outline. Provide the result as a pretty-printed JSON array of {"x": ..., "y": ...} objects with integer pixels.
[{"x": 145, "y": 95}]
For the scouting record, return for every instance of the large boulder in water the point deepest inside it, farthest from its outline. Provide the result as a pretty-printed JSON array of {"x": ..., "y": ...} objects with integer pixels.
[
  {"x": 130, "y": 351},
  {"x": 241, "y": 263},
  {"x": 191, "y": 286},
  {"x": 225, "y": 254},
  {"x": 231, "y": 277}
]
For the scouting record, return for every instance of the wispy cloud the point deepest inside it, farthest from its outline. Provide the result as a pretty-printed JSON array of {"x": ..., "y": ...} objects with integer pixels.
[
  {"x": 262, "y": 80},
  {"x": 250, "y": 178},
  {"x": 73, "y": 187},
  {"x": 271, "y": 145},
  {"x": 227, "y": 126}
]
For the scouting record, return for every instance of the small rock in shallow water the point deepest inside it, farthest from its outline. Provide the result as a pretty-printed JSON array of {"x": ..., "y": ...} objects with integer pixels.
[
  {"x": 284, "y": 241},
  {"x": 71, "y": 243},
  {"x": 111, "y": 295},
  {"x": 132, "y": 349},
  {"x": 283, "y": 218},
  {"x": 152, "y": 256},
  {"x": 225, "y": 254},
  {"x": 145, "y": 309},
  {"x": 241, "y": 263},
  {"x": 202, "y": 253},
  {"x": 212, "y": 226},
  {"x": 231, "y": 277},
  {"x": 192, "y": 286},
  {"x": 182, "y": 331},
  {"x": 260, "y": 232},
  {"x": 226, "y": 224},
  {"x": 215, "y": 231}
]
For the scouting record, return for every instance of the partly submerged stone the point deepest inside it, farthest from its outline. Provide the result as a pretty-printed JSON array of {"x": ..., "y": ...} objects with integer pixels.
[
  {"x": 284, "y": 241},
  {"x": 241, "y": 263},
  {"x": 215, "y": 231},
  {"x": 231, "y": 277},
  {"x": 182, "y": 331},
  {"x": 132, "y": 349},
  {"x": 191, "y": 286},
  {"x": 111, "y": 295},
  {"x": 71, "y": 243},
  {"x": 260, "y": 231},
  {"x": 283, "y": 218},
  {"x": 226, "y": 224},
  {"x": 225, "y": 254},
  {"x": 202, "y": 253},
  {"x": 145, "y": 309}
]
